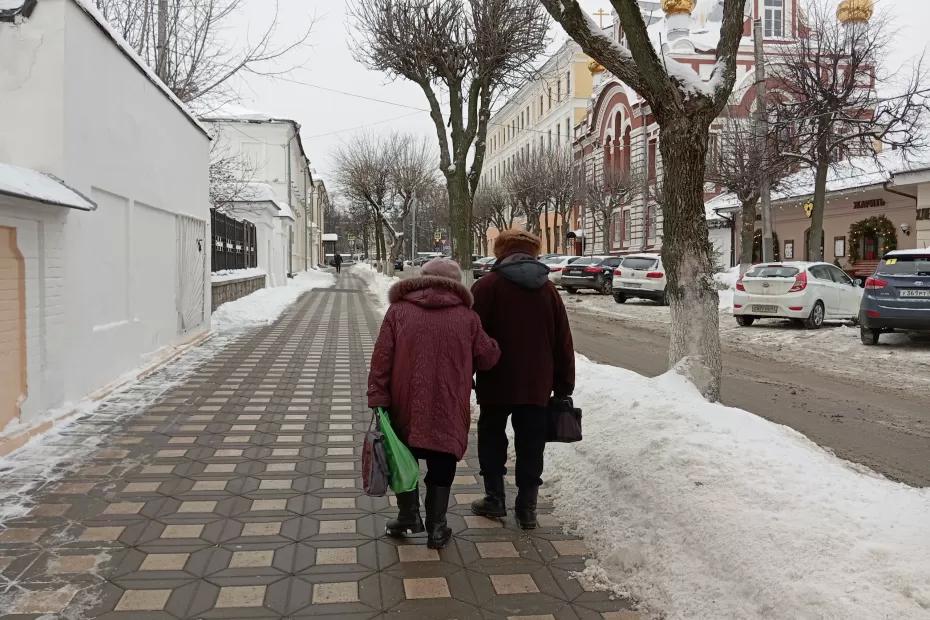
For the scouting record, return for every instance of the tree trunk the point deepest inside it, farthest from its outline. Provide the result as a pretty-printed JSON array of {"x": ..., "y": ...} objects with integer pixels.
[
  {"x": 748, "y": 234},
  {"x": 815, "y": 239},
  {"x": 545, "y": 222},
  {"x": 688, "y": 256},
  {"x": 460, "y": 218}
]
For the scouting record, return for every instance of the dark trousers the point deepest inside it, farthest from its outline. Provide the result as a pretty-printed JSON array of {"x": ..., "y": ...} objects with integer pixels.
[
  {"x": 339, "y": 268},
  {"x": 529, "y": 429},
  {"x": 440, "y": 466}
]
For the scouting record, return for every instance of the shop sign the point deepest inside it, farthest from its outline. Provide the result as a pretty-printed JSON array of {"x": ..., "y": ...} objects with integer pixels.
[{"x": 869, "y": 204}]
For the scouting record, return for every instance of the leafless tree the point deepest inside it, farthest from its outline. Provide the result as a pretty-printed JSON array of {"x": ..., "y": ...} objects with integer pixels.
[
  {"x": 526, "y": 185},
  {"x": 684, "y": 106},
  {"x": 492, "y": 199},
  {"x": 563, "y": 187},
  {"x": 829, "y": 107},
  {"x": 739, "y": 165},
  {"x": 472, "y": 50},
  {"x": 182, "y": 40},
  {"x": 604, "y": 191}
]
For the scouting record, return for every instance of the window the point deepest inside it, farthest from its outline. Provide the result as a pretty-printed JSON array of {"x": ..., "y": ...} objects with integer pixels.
[
  {"x": 558, "y": 90},
  {"x": 550, "y": 138},
  {"x": 652, "y": 222},
  {"x": 550, "y": 97},
  {"x": 568, "y": 130},
  {"x": 652, "y": 160},
  {"x": 774, "y": 18},
  {"x": 627, "y": 228},
  {"x": 789, "y": 250},
  {"x": 558, "y": 134},
  {"x": 568, "y": 83},
  {"x": 821, "y": 272},
  {"x": 839, "y": 276},
  {"x": 839, "y": 247}
]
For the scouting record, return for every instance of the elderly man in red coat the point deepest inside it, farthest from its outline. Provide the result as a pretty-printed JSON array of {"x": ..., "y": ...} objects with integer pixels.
[
  {"x": 430, "y": 344},
  {"x": 521, "y": 309}
]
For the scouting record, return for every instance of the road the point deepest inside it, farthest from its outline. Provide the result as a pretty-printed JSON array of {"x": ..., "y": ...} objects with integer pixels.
[{"x": 873, "y": 425}]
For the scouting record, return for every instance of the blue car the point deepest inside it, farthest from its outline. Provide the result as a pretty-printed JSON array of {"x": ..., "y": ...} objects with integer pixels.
[{"x": 897, "y": 296}]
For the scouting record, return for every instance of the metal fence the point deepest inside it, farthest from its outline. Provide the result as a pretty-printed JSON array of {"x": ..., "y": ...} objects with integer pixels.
[{"x": 234, "y": 245}]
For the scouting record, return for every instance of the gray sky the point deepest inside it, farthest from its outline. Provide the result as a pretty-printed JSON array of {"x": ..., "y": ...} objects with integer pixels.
[{"x": 330, "y": 119}]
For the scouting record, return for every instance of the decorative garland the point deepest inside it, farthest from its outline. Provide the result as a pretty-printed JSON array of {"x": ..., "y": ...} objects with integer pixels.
[{"x": 877, "y": 226}]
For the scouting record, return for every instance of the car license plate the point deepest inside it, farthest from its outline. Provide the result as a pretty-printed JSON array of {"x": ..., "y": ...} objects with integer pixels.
[
  {"x": 632, "y": 285},
  {"x": 764, "y": 309},
  {"x": 914, "y": 292}
]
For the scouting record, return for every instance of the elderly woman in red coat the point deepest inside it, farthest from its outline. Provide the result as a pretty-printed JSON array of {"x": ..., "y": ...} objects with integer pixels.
[{"x": 430, "y": 345}]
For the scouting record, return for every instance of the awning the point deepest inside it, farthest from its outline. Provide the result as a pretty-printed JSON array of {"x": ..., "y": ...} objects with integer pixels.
[
  {"x": 40, "y": 187},
  {"x": 330, "y": 237}
]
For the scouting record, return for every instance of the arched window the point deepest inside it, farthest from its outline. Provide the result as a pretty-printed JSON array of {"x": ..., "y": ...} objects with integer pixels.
[{"x": 627, "y": 145}]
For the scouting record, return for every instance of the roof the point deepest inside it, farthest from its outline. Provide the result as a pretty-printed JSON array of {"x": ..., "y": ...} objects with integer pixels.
[
  {"x": 853, "y": 173},
  {"x": 917, "y": 252},
  {"x": 234, "y": 113},
  {"x": 40, "y": 187},
  {"x": 262, "y": 192}
]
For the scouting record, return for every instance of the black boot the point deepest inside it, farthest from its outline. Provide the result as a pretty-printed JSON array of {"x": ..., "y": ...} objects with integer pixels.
[
  {"x": 408, "y": 519},
  {"x": 437, "y": 503},
  {"x": 493, "y": 503},
  {"x": 525, "y": 508}
]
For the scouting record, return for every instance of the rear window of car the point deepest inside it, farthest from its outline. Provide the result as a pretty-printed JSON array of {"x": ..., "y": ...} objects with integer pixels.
[
  {"x": 905, "y": 265},
  {"x": 590, "y": 260},
  {"x": 639, "y": 263},
  {"x": 772, "y": 271},
  {"x": 553, "y": 260}
]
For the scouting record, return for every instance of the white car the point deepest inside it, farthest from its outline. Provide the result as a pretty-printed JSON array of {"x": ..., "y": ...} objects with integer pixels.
[
  {"x": 556, "y": 264},
  {"x": 640, "y": 276},
  {"x": 809, "y": 293}
]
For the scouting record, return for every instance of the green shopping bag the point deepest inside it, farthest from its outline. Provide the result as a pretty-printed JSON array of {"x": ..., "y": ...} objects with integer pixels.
[{"x": 405, "y": 472}]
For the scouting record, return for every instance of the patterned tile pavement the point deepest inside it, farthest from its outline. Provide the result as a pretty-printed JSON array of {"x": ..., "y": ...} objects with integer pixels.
[{"x": 237, "y": 494}]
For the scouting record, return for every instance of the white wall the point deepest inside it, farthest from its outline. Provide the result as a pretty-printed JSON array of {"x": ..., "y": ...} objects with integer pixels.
[
  {"x": 271, "y": 237},
  {"x": 102, "y": 286}
]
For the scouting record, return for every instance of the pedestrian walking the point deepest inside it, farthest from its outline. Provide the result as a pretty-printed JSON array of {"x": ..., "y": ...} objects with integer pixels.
[
  {"x": 337, "y": 260},
  {"x": 521, "y": 309},
  {"x": 430, "y": 344}
]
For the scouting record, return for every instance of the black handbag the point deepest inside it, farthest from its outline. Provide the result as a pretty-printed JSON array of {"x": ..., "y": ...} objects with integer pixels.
[{"x": 563, "y": 421}]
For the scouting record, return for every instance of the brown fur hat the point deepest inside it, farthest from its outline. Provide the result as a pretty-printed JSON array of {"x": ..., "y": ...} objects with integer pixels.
[{"x": 516, "y": 242}]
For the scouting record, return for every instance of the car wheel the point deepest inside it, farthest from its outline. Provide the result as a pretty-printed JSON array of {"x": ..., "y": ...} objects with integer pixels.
[
  {"x": 815, "y": 320},
  {"x": 745, "y": 321},
  {"x": 570, "y": 290},
  {"x": 603, "y": 285},
  {"x": 854, "y": 320},
  {"x": 868, "y": 336},
  {"x": 619, "y": 298}
]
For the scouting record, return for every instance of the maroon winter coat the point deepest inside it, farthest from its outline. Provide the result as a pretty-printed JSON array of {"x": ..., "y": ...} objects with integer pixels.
[
  {"x": 520, "y": 308},
  {"x": 430, "y": 344}
]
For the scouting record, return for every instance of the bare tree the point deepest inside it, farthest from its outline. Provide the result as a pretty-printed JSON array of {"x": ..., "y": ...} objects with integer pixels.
[
  {"x": 562, "y": 185},
  {"x": 491, "y": 198},
  {"x": 230, "y": 175},
  {"x": 526, "y": 184},
  {"x": 739, "y": 165},
  {"x": 182, "y": 40},
  {"x": 470, "y": 49},
  {"x": 684, "y": 106},
  {"x": 604, "y": 191},
  {"x": 830, "y": 108}
]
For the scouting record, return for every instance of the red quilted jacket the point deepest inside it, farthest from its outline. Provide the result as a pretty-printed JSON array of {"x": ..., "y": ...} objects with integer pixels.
[{"x": 430, "y": 345}]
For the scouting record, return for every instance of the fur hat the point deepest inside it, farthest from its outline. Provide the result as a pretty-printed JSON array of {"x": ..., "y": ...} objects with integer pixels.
[
  {"x": 516, "y": 242},
  {"x": 443, "y": 268}
]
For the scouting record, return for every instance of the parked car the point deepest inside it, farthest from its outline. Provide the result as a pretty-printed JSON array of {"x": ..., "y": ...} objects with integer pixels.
[
  {"x": 897, "y": 296},
  {"x": 590, "y": 272},
  {"x": 482, "y": 266},
  {"x": 399, "y": 264},
  {"x": 808, "y": 293},
  {"x": 640, "y": 276},
  {"x": 556, "y": 265}
]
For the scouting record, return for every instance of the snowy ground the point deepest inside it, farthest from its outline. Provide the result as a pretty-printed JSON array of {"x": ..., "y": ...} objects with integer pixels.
[
  {"x": 236, "y": 274},
  {"x": 263, "y": 307},
  {"x": 902, "y": 359},
  {"x": 716, "y": 513},
  {"x": 378, "y": 283}
]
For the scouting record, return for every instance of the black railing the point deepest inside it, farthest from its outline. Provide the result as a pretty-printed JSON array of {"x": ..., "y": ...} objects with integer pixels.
[{"x": 234, "y": 245}]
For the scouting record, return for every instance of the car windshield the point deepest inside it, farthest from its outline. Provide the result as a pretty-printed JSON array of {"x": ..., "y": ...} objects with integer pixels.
[
  {"x": 905, "y": 265},
  {"x": 773, "y": 271},
  {"x": 639, "y": 263},
  {"x": 588, "y": 260}
]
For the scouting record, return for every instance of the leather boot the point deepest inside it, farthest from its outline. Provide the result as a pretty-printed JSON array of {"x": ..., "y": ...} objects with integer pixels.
[
  {"x": 525, "y": 508},
  {"x": 408, "y": 519},
  {"x": 492, "y": 505},
  {"x": 437, "y": 503}
]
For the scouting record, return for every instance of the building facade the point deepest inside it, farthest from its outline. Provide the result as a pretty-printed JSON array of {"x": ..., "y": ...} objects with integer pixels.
[
  {"x": 540, "y": 115},
  {"x": 270, "y": 152},
  {"x": 104, "y": 213}
]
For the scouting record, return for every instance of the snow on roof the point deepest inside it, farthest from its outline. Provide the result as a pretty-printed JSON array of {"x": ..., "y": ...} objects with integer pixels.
[
  {"x": 853, "y": 173},
  {"x": 41, "y": 187},
  {"x": 334, "y": 237},
  {"x": 235, "y": 112},
  {"x": 284, "y": 209},
  {"x": 917, "y": 252},
  {"x": 257, "y": 192}
]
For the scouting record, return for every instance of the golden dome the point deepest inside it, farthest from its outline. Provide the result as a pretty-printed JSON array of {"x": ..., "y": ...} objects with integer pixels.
[
  {"x": 855, "y": 11},
  {"x": 595, "y": 67},
  {"x": 678, "y": 7}
]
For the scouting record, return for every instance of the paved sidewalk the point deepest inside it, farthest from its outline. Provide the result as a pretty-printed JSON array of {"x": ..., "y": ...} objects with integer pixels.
[{"x": 237, "y": 494}]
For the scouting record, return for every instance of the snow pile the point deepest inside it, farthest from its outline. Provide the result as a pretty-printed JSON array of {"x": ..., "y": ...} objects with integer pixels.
[
  {"x": 713, "y": 512},
  {"x": 28, "y": 183},
  {"x": 726, "y": 282},
  {"x": 264, "y": 306},
  {"x": 227, "y": 275},
  {"x": 378, "y": 283}
]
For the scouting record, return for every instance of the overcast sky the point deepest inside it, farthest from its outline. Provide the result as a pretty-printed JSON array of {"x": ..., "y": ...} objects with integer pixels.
[{"x": 329, "y": 118}]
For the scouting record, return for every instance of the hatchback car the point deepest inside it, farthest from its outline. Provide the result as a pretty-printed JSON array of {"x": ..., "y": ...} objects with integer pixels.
[
  {"x": 556, "y": 265},
  {"x": 897, "y": 296},
  {"x": 590, "y": 272},
  {"x": 640, "y": 276},
  {"x": 808, "y": 293},
  {"x": 482, "y": 266}
]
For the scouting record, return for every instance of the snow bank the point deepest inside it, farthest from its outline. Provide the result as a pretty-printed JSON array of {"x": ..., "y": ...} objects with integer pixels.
[
  {"x": 227, "y": 275},
  {"x": 264, "y": 306},
  {"x": 713, "y": 512},
  {"x": 378, "y": 283}
]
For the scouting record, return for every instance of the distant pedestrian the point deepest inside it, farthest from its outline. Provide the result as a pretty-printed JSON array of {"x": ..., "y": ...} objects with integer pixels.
[
  {"x": 521, "y": 309},
  {"x": 430, "y": 344},
  {"x": 337, "y": 260}
]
